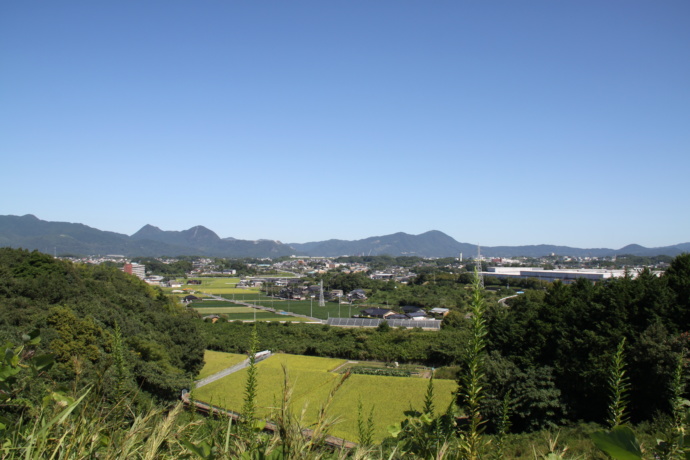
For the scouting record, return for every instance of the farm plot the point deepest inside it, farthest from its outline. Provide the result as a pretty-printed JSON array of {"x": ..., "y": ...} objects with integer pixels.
[
  {"x": 312, "y": 379},
  {"x": 215, "y": 361},
  {"x": 217, "y": 286},
  {"x": 232, "y": 312},
  {"x": 223, "y": 310},
  {"x": 304, "y": 307},
  {"x": 211, "y": 283},
  {"x": 264, "y": 316}
]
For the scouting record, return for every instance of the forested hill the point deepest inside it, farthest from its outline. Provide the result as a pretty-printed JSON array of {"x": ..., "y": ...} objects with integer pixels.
[
  {"x": 79, "y": 309},
  {"x": 66, "y": 238}
]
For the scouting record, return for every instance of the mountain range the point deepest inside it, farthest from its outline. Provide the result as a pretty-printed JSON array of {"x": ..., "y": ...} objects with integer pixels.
[{"x": 30, "y": 232}]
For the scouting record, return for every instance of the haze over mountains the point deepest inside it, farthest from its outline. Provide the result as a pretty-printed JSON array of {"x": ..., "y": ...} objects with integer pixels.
[{"x": 30, "y": 232}]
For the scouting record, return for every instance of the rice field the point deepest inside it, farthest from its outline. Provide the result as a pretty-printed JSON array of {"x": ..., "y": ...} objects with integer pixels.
[
  {"x": 215, "y": 361},
  {"x": 219, "y": 286},
  {"x": 312, "y": 378},
  {"x": 215, "y": 286}
]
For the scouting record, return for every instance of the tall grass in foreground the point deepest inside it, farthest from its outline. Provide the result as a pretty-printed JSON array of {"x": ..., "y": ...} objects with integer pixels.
[{"x": 471, "y": 381}]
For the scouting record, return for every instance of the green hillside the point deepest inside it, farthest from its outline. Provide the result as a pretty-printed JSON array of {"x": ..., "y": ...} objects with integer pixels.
[{"x": 77, "y": 309}]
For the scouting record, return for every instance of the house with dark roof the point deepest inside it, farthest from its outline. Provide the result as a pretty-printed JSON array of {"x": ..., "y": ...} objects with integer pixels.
[
  {"x": 378, "y": 312},
  {"x": 357, "y": 294},
  {"x": 397, "y": 316},
  {"x": 416, "y": 315},
  {"x": 412, "y": 309}
]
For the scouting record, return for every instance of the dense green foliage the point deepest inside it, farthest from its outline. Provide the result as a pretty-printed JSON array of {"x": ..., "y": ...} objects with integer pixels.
[
  {"x": 432, "y": 348},
  {"x": 567, "y": 334},
  {"x": 78, "y": 308},
  {"x": 154, "y": 266}
]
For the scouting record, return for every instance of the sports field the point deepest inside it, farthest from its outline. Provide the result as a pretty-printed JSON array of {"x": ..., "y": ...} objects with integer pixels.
[
  {"x": 225, "y": 287},
  {"x": 302, "y": 307},
  {"x": 233, "y": 312},
  {"x": 311, "y": 380}
]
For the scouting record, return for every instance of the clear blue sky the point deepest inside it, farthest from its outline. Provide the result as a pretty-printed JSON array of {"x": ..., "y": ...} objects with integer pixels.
[{"x": 496, "y": 122}]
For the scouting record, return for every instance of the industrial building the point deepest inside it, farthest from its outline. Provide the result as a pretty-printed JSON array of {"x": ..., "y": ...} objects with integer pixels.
[{"x": 566, "y": 276}]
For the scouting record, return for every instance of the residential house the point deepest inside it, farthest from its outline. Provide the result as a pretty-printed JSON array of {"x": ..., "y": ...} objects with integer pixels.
[
  {"x": 357, "y": 294},
  {"x": 378, "y": 312},
  {"x": 417, "y": 315},
  {"x": 436, "y": 312}
]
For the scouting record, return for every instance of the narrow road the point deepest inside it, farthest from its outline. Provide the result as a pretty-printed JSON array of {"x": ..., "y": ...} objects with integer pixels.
[
  {"x": 503, "y": 300},
  {"x": 230, "y": 370}
]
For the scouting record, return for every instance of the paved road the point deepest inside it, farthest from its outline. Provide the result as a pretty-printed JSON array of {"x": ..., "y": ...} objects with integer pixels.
[
  {"x": 228, "y": 371},
  {"x": 503, "y": 300}
]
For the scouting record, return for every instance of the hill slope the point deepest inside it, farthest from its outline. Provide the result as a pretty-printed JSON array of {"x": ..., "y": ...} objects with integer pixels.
[
  {"x": 78, "y": 308},
  {"x": 67, "y": 238}
]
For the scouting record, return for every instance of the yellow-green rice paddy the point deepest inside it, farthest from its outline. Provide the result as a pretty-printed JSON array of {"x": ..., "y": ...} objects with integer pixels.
[{"x": 311, "y": 380}]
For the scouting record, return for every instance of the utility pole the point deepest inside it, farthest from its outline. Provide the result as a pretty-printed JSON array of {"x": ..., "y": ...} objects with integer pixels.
[{"x": 322, "y": 301}]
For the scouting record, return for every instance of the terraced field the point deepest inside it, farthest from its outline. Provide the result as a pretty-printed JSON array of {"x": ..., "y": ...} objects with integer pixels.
[{"x": 312, "y": 378}]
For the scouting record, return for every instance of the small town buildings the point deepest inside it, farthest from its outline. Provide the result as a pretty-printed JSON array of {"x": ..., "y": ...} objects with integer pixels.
[
  {"x": 378, "y": 312},
  {"x": 417, "y": 315},
  {"x": 135, "y": 269},
  {"x": 334, "y": 294},
  {"x": 357, "y": 294},
  {"x": 438, "y": 311},
  {"x": 154, "y": 280}
]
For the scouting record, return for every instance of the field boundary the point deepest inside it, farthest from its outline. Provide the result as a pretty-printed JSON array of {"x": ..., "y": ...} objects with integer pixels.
[{"x": 210, "y": 410}]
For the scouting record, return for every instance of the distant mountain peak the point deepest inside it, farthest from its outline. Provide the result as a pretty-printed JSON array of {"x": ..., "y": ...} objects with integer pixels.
[
  {"x": 200, "y": 232},
  {"x": 632, "y": 247},
  {"x": 146, "y": 231}
]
